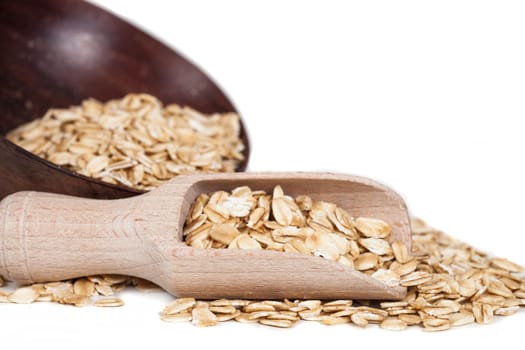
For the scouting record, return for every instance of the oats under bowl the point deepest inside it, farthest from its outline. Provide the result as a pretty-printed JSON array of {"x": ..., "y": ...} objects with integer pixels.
[{"x": 57, "y": 53}]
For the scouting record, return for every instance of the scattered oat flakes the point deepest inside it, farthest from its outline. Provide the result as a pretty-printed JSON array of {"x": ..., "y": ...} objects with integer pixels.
[
  {"x": 77, "y": 300},
  {"x": 180, "y": 317},
  {"x": 435, "y": 325},
  {"x": 83, "y": 286},
  {"x": 393, "y": 324},
  {"x": 203, "y": 317},
  {"x": 178, "y": 306},
  {"x": 334, "y": 320},
  {"x": 109, "y": 302},
  {"x": 276, "y": 323},
  {"x": 23, "y": 295}
]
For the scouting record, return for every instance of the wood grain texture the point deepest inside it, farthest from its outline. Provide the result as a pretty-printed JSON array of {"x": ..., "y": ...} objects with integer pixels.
[
  {"x": 56, "y": 53},
  {"x": 48, "y": 237}
]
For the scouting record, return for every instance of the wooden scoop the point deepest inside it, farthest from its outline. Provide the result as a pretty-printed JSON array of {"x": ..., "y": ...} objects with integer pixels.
[{"x": 49, "y": 237}]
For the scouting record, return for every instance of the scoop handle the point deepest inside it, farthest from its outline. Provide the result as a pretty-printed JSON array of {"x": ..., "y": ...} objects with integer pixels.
[{"x": 49, "y": 237}]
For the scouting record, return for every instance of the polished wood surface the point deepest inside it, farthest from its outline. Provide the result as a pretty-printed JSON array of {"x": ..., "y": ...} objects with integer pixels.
[
  {"x": 55, "y": 53},
  {"x": 47, "y": 237}
]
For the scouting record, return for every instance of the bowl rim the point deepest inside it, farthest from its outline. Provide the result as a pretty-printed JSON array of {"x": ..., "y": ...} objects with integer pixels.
[{"x": 67, "y": 171}]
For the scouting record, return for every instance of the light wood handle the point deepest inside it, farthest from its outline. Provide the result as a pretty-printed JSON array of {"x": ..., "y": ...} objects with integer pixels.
[{"x": 48, "y": 237}]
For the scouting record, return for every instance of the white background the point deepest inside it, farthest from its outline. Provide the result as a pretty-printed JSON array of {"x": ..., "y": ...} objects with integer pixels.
[{"x": 427, "y": 97}]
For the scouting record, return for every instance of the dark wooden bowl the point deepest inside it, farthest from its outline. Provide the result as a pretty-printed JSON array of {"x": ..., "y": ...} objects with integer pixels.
[{"x": 56, "y": 53}]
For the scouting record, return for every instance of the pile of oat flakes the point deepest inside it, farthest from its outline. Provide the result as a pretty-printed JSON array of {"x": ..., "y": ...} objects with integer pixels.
[
  {"x": 134, "y": 141},
  {"x": 246, "y": 219}
]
